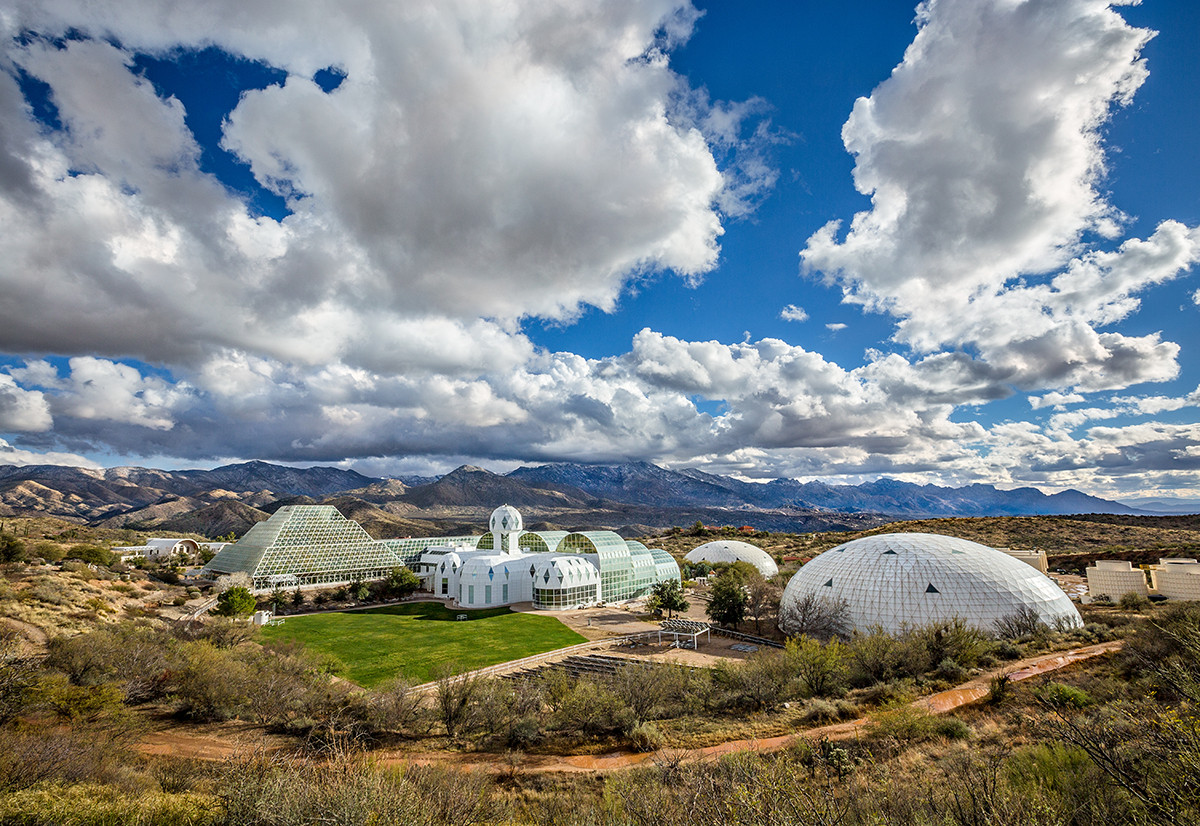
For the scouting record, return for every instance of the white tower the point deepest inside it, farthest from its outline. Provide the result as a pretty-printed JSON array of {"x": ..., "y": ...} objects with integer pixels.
[{"x": 506, "y": 526}]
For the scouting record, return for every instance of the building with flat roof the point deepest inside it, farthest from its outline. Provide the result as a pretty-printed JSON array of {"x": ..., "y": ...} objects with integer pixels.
[
  {"x": 1114, "y": 578},
  {"x": 1035, "y": 559},
  {"x": 1176, "y": 578},
  {"x": 314, "y": 545}
]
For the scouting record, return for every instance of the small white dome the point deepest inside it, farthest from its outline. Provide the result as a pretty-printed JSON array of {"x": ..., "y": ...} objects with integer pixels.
[
  {"x": 910, "y": 579},
  {"x": 505, "y": 519},
  {"x": 564, "y": 572},
  {"x": 730, "y": 551}
]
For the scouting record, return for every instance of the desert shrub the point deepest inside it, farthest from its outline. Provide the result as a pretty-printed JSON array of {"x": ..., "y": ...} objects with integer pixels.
[
  {"x": 1007, "y": 650},
  {"x": 646, "y": 737},
  {"x": 885, "y": 693},
  {"x": 759, "y": 682},
  {"x": 210, "y": 684},
  {"x": 89, "y": 804},
  {"x": 820, "y": 667},
  {"x": 49, "y": 551},
  {"x": 1048, "y": 765},
  {"x": 51, "y": 591},
  {"x": 34, "y": 757},
  {"x": 1134, "y": 601},
  {"x": 649, "y": 690},
  {"x": 1061, "y": 695},
  {"x": 950, "y": 671},
  {"x": 817, "y": 712},
  {"x": 909, "y": 724},
  {"x": 954, "y": 639}
]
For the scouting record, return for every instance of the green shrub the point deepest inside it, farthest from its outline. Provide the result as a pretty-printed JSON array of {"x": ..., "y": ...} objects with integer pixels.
[
  {"x": 1134, "y": 601},
  {"x": 910, "y": 724},
  {"x": 235, "y": 602},
  {"x": 646, "y": 737},
  {"x": 1061, "y": 695},
  {"x": 949, "y": 670}
]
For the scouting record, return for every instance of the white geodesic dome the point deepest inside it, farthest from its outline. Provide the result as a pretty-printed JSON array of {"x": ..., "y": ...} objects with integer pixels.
[
  {"x": 729, "y": 550},
  {"x": 900, "y": 580}
]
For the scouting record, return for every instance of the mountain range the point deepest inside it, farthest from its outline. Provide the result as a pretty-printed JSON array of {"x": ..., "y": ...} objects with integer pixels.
[{"x": 634, "y": 495}]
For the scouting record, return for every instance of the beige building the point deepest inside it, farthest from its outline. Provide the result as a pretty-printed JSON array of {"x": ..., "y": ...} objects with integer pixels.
[
  {"x": 1036, "y": 559},
  {"x": 1115, "y": 578},
  {"x": 1176, "y": 578}
]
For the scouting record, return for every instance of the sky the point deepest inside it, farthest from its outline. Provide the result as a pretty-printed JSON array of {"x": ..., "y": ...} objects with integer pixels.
[{"x": 951, "y": 243}]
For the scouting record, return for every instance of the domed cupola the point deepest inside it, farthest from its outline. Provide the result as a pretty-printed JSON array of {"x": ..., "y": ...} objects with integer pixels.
[{"x": 505, "y": 526}]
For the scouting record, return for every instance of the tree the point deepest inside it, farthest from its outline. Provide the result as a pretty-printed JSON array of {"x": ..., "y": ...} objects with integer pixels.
[
  {"x": 727, "y": 600},
  {"x": 11, "y": 548},
  {"x": 235, "y": 602},
  {"x": 92, "y": 554},
  {"x": 297, "y": 598},
  {"x": 820, "y": 666},
  {"x": 762, "y": 599},
  {"x": 667, "y": 596},
  {"x": 277, "y": 599},
  {"x": 815, "y": 616},
  {"x": 402, "y": 582}
]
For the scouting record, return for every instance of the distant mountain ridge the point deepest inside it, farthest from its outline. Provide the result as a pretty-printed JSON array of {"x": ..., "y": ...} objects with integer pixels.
[{"x": 146, "y": 496}]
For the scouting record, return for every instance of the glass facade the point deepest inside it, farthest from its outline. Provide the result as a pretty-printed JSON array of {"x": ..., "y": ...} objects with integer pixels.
[
  {"x": 559, "y": 599},
  {"x": 409, "y": 550},
  {"x": 306, "y": 545}
]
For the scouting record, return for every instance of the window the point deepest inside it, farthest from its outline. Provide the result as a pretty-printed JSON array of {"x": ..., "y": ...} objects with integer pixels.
[
  {"x": 445, "y": 586},
  {"x": 471, "y": 594},
  {"x": 505, "y": 593},
  {"x": 487, "y": 594}
]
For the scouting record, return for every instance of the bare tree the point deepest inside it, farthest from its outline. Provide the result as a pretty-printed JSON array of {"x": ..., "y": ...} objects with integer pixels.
[
  {"x": 1023, "y": 622},
  {"x": 762, "y": 600},
  {"x": 816, "y": 616}
]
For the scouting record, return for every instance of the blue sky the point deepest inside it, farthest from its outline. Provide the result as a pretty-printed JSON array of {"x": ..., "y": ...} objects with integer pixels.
[{"x": 953, "y": 243}]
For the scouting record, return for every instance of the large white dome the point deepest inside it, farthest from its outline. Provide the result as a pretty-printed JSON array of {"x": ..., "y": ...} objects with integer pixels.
[
  {"x": 728, "y": 550},
  {"x": 909, "y": 579}
]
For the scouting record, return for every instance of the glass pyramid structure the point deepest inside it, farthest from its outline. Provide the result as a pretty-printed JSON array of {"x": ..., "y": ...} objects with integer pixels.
[{"x": 306, "y": 545}]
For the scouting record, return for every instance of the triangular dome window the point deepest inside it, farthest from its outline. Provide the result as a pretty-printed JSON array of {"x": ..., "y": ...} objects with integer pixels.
[
  {"x": 932, "y": 590},
  {"x": 829, "y": 584}
]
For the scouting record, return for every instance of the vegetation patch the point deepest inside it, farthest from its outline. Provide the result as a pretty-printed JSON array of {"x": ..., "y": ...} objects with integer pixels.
[{"x": 414, "y": 640}]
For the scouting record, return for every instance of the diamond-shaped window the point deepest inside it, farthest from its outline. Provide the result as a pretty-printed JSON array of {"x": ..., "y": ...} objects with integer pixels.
[
  {"x": 546, "y": 577},
  {"x": 491, "y": 573},
  {"x": 532, "y": 570}
]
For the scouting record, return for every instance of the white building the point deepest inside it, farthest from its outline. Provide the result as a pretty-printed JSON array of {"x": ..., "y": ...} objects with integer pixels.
[
  {"x": 730, "y": 551},
  {"x": 1114, "y": 578},
  {"x": 305, "y": 546},
  {"x": 1035, "y": 559},
  {"x": 553, "y": 569},
  {"x": 1176, "y": 578},
  {"x": 157, "y": 550},
  {"x": 904, "y": 580}
]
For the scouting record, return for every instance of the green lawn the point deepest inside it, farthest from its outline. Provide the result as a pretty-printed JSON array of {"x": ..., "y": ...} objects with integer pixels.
[{"x": 411, "y": 640}]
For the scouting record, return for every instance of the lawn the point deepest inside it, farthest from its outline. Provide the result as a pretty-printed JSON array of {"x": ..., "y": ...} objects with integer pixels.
[{"x": 413, "y": 639}]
